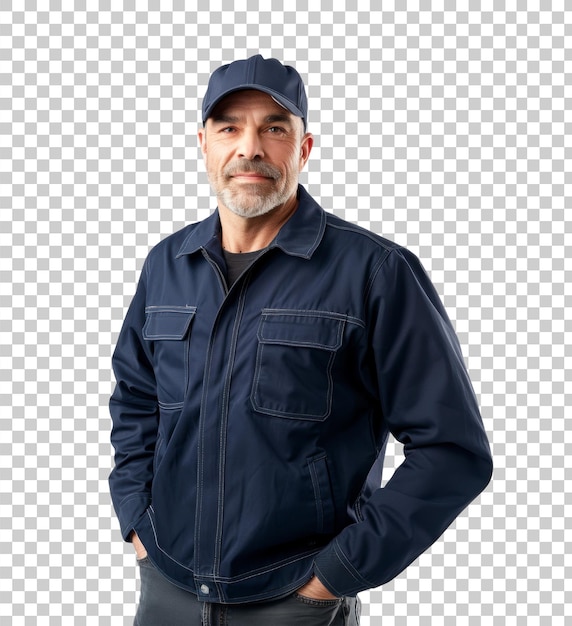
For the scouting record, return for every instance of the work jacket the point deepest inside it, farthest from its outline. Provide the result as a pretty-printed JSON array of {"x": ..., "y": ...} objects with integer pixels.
[{"x": 250, "y": 422}]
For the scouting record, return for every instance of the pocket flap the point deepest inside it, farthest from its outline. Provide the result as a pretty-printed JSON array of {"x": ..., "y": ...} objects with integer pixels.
[
  {"x": 316, "y": 329},
  {"x": 168, "y": 323}
]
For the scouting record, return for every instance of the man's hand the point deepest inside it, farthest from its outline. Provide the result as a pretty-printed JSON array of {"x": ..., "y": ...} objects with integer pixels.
[
  {"x": 314, "y": 589},
  {"x": 139, "y": 547}
]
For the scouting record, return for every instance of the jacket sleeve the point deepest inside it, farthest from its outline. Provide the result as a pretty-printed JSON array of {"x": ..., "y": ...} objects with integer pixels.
[
  {"x": 134, "y": 412},
  {"x": 428, "y": 404}
]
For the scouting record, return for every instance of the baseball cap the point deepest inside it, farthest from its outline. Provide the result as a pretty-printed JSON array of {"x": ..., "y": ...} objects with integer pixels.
[{"x": 282, "y": 82}]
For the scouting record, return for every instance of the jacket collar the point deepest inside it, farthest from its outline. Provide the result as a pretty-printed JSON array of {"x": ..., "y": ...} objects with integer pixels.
[{"x": 300, "y": 236}]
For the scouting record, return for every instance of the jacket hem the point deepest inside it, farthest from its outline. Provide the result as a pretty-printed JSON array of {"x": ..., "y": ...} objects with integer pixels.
[{"x": 238, "y": 589}]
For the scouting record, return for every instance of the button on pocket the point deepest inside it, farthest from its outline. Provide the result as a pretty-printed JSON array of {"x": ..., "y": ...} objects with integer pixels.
[
  {"x": 296, "y": 352},
  {"x": 168, "y": 328}
]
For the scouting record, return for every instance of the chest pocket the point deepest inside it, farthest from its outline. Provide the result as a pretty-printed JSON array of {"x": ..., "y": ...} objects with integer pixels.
[
  {"x": 295, "y": 356},
  {"x": 168, "y": 328}
]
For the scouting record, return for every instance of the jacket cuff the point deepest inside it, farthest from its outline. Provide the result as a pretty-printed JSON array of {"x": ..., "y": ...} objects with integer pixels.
[
  {"x": 130, "y": 510},
  {"x": 337, "y": 574}
]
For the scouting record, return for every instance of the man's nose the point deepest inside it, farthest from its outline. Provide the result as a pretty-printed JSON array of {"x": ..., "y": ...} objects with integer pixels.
[{"x": 250, "y": 145}]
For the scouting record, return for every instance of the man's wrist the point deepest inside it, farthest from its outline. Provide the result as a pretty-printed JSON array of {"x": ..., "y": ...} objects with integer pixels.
[
  {"x": 140, "y": 550},
  {"x": 315, "y": 589}
]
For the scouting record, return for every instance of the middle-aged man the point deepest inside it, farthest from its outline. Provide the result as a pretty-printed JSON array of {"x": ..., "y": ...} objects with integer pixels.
[{"x": 266, "y": 356}]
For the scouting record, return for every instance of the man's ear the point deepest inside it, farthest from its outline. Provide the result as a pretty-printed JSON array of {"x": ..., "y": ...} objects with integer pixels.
[
  {"x": 305, "y": 149},
  {"x": 202, "y": 135}
]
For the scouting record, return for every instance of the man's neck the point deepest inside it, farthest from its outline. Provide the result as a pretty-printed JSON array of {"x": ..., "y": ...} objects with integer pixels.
[{"x": 248, "y": 234}]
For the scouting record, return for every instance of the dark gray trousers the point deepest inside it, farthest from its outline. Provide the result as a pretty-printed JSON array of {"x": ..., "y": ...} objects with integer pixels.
[{"x": 164, "y": 604}]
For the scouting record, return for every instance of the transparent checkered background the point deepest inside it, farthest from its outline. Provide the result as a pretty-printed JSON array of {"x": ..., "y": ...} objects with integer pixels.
[{"x": 446, "y": 127}]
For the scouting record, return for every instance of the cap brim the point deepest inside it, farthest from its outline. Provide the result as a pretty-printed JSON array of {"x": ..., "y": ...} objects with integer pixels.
[{"x": 279, "y": 98}]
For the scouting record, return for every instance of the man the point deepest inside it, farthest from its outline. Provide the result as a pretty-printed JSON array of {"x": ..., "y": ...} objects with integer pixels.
[{"x": 266, "y": 356}]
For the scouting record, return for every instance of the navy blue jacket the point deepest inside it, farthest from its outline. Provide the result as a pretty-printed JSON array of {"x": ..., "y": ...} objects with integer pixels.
[{"x": 250, "y": 423}]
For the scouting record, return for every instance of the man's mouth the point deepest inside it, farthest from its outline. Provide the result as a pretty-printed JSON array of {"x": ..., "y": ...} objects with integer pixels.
[{"x": 250, "y": 176}]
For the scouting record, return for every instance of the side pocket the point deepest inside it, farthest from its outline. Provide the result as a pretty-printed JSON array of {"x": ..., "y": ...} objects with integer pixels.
[
  {"x": 158, "y": 452},
  {"x": 325, "y": 509}
]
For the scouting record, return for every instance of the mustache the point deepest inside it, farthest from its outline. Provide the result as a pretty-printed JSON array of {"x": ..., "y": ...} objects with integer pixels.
[{"x": 249, "y": 167}]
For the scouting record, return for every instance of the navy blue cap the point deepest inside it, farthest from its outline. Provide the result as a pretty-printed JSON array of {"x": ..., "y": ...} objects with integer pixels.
[{"x": 282, "y": 82}]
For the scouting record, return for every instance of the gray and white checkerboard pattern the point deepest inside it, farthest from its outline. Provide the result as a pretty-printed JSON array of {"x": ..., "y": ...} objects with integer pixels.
[{"x": 446, "y": 126}]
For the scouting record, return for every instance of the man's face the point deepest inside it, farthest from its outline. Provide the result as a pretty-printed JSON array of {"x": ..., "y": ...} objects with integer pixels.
[{"x": 254, "y": 151}]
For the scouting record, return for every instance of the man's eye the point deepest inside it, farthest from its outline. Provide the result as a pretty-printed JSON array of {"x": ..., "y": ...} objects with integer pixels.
[
  {"x": 228, "y": 129},
  {"x": 275, "y": 130}
]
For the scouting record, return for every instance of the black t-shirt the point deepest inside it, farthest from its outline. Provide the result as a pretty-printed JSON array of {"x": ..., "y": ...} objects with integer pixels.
[{"x": 237, "y": 262}]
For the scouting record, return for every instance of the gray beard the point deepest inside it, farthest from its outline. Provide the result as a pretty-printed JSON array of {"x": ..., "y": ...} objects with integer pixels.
[
  {"x": 258, "y": 201},
  {"x": 254, "y": 205}
]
